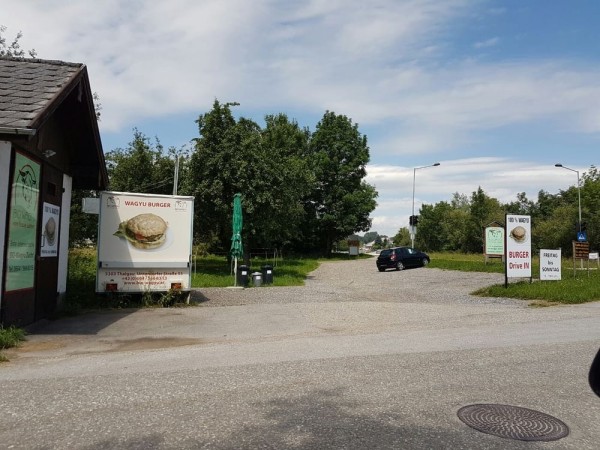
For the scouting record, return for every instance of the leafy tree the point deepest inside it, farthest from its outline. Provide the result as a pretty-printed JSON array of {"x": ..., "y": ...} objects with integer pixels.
[
  {"x": 402, "y": 237},
  {"x": 268, "y": 167},
  {"x": 431, "y": 235},
  {"x": 14, "y": 48},
  {"x": 483, "y": 211},
  {"x": 369, "y": 236},
  {"x": 83, "y": 226},
  {"x": 590, "y": 200},
  {"x": 341, "y": 201},
  {"x": 142, "y": 167}
]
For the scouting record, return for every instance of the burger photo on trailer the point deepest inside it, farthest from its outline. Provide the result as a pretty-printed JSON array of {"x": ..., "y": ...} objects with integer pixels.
[{"x": 144, "y": 231}]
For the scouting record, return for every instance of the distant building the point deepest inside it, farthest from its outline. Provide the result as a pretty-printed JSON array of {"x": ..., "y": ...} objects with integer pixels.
[{"x": 49, "y": 145}]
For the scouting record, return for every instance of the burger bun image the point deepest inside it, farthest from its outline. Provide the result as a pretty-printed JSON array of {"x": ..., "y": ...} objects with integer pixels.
[
  {"x": 144, "y": 231},
  {"x": 518, "y": 234},
  {"x": 50, "y": 230}
]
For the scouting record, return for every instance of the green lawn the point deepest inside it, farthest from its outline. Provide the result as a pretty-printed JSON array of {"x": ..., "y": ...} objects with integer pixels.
[{"x": 578, "y": 286}]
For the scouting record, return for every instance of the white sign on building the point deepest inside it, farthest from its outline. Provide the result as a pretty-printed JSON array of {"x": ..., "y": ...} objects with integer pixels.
[
  {"x": 550, "y": 264},
  {"x": 518, "y": 246}
]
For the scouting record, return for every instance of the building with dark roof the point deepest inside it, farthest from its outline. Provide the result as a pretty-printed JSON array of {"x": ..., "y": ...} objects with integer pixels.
[{"x": 49, "y": 145}]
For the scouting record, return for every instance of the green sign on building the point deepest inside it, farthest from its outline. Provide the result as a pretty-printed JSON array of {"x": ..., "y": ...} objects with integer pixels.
[{"x": 22, "y": 226}]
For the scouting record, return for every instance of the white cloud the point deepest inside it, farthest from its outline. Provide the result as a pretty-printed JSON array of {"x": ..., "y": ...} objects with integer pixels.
[
  {"x": 500, "y": 178},
  {"x": 487, "y": 43}
]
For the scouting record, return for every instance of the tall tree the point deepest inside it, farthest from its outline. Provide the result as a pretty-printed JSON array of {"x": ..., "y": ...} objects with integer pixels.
[
  {"x": 342, "y": 200},
  {"x": 142, "y": 167},
  {"x": 268, "y": 167}
]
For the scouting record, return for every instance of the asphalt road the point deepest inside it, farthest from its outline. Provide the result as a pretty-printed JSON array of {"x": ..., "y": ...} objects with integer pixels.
[{"x": 356, "y": 359}]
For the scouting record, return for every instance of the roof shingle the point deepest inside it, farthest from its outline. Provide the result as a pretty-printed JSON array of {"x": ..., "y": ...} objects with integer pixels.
[{"x": 27, "y": 86}]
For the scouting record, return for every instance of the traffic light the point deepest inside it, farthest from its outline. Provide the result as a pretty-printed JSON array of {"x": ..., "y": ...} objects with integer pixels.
[
  {"x": 583, "y": 226},
  {"x": 413, "y": 220}
]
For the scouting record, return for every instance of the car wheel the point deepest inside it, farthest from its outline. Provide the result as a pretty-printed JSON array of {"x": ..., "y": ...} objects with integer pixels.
[
  {"x": 381, "y": 269},
  {"x": 399, "y": 265},
  {"x": 425, "y": 262}
]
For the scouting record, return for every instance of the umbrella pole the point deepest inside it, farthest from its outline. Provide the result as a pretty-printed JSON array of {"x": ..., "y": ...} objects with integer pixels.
[{"x": 235, "y": 272}]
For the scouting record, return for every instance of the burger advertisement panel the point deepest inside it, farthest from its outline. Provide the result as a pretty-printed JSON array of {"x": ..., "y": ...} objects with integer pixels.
[
  {"x": 50, "y": 230},
  {"x": 144, "y": 242},
  {"x": 518, "y": 246}
]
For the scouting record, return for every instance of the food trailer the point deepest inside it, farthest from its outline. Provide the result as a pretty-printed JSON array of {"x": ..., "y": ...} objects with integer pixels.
[{"x": 144, "y": 242}]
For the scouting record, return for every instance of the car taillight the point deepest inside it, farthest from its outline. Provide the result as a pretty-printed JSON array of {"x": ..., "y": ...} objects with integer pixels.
[{"x": 393, "y": 257}]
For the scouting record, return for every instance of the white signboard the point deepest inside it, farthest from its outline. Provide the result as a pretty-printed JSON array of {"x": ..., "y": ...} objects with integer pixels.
[
  {"x": 144, "y": 242},
  {"x": 50, "y": 230},
  {"x": 550, "y": 264},
  {"x": 518, "y": 246}
]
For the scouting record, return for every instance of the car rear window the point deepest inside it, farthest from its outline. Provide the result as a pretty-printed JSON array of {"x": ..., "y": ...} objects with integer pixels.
[{"x": 385, "y": 253}]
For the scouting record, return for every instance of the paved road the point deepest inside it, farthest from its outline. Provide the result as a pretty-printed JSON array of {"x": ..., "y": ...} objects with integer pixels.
[{"x": 355, "y": 359}]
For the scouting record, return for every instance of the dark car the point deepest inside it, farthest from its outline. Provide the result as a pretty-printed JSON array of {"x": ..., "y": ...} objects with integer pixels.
[{"x": 400, "y": 258}]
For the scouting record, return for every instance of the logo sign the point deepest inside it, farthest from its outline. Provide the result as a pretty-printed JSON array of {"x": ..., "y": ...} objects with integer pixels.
[
  {"x": 582, "y": 236},
  {"x": 550, "y": 264},
  {"x": 494, "y": 241},
  {"x": 518, "y": 246}
]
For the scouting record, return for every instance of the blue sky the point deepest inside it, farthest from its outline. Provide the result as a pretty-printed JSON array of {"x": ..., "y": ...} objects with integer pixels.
[{"x": 496, "y": 91}]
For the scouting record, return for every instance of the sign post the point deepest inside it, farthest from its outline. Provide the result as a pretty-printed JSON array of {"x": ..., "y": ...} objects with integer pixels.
[
  {"x": 494, "y": 242},
  {"x": 518, "y": 247},
  {"x": 581, "y": 251},
  {"x": 550, "y": 264}
]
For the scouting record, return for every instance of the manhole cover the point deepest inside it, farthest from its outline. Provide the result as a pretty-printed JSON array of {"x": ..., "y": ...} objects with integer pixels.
[{"x": 513, "y": 422}]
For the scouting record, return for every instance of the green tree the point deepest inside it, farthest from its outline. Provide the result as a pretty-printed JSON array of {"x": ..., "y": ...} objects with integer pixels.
[
  {"x": 269, "y": 167},
  {"x": 82, "y": 226},
  {"x": 369, "y": 236},
  {"x": 402, "y": 237},
  {"x": 142, "y": 167},
  {"x": 483, "y": 211},
  {"x": 590, "y": 200},
  {"x": 13, "y": 49},
  {"x": 342, "y": 201}
]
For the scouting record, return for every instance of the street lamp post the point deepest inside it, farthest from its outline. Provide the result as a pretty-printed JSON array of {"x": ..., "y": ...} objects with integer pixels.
[
  {"x": 414, "y": 230},
  {"x": 578, "y": 189},
  {"x": 579, "y": 199}
]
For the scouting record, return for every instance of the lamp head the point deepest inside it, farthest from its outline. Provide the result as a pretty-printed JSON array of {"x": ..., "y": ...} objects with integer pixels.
[
  {"x": 558, "y": 165},
  {"x": 436, "y": 164}
]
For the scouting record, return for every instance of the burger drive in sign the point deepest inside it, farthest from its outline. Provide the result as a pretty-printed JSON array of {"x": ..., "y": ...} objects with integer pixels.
[
  {"x": 144, "y": 242},
  {"x": 518, "y": 246}
]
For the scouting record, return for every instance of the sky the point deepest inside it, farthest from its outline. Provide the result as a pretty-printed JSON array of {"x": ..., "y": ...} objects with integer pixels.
[{"x": 496, "y": 91}]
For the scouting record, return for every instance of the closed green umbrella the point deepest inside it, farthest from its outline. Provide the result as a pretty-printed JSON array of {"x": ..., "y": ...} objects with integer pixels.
[{"x": 236, "y": 237}]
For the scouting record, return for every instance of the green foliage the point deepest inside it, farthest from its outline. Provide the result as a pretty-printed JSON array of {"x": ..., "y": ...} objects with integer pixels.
[
  {"x": 458, "y": 226},
  {"x": 297, "y": 189},
  {"x": 11, "y": 337},
  {"x": 14, "y": 48},
  {"x": 82, "y": 226},
  {"x": 580, "y": 287},
  {"x": 341, "y": 201},
  {"x": 570, "y": 290},
  {"x": 144, "y": 167},
  {"x": 215, "y": 271},
  {"x": 402, "y": 238}
]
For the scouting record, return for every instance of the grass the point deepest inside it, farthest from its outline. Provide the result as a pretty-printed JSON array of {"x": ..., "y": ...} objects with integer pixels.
[
  {"x": 573, "y": 288},
  {"x": 215, "y": 271},
  {"x": 10, "y": 337},
  {"x": 210, "y": 271}
]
